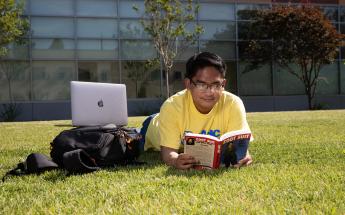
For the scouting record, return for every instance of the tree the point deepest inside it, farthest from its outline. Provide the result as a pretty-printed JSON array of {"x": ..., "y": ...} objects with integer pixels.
[
  {"x": 165, "y": 21},
  {"x": 12, "y": 26},
  {"x": 298, "y": 35},
  {"x": 12, "y": 30}
]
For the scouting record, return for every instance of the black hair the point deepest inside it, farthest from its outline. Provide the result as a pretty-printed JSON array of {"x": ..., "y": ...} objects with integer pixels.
[{"x": 202, "y": 60}]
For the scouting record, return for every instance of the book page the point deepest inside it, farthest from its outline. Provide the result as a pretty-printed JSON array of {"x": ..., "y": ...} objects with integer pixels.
[{"x": 202, "y": 149}]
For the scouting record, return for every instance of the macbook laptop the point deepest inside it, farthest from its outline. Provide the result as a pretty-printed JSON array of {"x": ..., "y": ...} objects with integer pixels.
[{"x": 98, "y": 104}]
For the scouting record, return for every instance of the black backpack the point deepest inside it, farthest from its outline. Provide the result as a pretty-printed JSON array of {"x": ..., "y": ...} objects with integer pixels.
[
  {"x": 96, "y": 147},
  {"x": 86, "y": 149}
]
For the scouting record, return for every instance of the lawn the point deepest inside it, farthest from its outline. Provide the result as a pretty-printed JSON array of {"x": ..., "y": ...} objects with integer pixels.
[{"x": 299, "y": 167}]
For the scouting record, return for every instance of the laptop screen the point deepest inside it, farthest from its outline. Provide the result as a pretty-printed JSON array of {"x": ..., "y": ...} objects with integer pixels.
[{"x": 98, "y": 104}]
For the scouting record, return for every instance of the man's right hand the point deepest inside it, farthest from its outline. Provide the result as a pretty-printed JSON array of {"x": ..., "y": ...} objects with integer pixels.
[
  {"x": 184, "y": 161},
  {"x": 179, "y": 161}
]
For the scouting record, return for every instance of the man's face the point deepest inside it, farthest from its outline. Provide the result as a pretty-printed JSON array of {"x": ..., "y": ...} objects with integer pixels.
[{"x": 206, "y": 88}]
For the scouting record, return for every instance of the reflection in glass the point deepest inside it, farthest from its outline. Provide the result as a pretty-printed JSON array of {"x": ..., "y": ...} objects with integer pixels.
[
  {"x": 342, "y": 28},
  {"x": 131, "y": 29},
  {"x": 244, "y": 30},
  {"x": 227, "y": 50},
  {"x": 176, "y": 78},
  {"x": 231, "y": 77},
  {"x": 185, "y": 52},
  {"x": 126, "y": 9},
  {"x": 52, "y": 48},
  {"x": 218, "y": 30},
  {"x": 16, "y": 51},
  {"x": 255, "y": 82},
  {"x": 286, "y": 83},
  {"x": 98, "y": 8},
  {"x": 330, "y": 12},
  {"x": 97, "y": 28},
  {"x": 342, "y": 78},
  {"x": 216, "y": 11},
  {"x": 51, "y": 80},
  {"x": 328, "y": 80},
  {"x": 106, "y": 72},
  {"x": 243, "y": 10},
  {"x": 52, "y": 7},
  {"x": 342, "y": 14},
  {"x": 97, "y": 49},
  {"x": 52, "y": 27},
  {"x": 142, "y": 80},
  {"x": 14, "y": 81},
  {"x": 137, "y": 49}
]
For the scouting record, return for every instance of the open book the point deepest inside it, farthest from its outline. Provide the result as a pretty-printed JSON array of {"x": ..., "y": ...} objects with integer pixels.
[{"x": 211, "y": 151}]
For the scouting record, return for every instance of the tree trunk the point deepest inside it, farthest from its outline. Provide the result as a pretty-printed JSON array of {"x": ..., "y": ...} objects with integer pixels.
[
  {"x": 308, "y": 91},
  {"x": 310, "y": 99},
  {"x": 167, "y": 71}
]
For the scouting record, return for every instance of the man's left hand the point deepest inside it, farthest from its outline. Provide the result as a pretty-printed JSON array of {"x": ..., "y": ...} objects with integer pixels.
[{"x": 246, "y": 161}]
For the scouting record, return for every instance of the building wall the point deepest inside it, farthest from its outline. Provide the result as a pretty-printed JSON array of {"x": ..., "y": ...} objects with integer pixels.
[{"x": 103, "y": 41}]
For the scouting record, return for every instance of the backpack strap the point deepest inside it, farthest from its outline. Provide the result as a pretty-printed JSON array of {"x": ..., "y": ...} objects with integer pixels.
[
  {"x": 34, "y": 163},
  {"x": 78, "y": 161},
  {"x": 19, "y": 170}
]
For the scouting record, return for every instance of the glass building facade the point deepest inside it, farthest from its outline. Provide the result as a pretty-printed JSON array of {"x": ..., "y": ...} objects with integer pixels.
[{"x": 103, "y": 41}]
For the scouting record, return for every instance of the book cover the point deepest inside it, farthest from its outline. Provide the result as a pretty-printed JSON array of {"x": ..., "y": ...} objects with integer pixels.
[{"x": 212, "y": 152}]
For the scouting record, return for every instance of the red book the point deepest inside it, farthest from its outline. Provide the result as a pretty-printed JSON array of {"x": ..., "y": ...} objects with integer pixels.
[{"x": 211, "y": 151}]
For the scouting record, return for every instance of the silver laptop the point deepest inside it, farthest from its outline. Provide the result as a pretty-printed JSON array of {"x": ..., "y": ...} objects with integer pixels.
[{"x": 98, "y": 104}]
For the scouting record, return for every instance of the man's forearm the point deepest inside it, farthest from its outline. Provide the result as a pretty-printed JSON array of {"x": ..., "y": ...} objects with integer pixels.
[{"x": 169, "y": 156}]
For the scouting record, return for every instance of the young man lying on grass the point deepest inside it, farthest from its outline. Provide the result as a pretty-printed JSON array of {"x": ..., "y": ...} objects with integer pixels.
[{"x": 203, "y": 107}]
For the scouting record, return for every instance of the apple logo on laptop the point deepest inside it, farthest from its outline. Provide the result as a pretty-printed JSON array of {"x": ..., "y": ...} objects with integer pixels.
[{"x": 100, "y": 103}]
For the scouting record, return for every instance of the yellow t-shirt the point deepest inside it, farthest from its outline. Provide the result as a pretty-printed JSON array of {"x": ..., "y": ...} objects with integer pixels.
[{"x": 178, "y": 114}]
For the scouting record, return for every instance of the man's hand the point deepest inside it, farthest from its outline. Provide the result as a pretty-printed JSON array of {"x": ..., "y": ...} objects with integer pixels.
[
  {"x": 184, "y": 161},
  {"x": 246, "y": 161},
  {"x": 179, "y": 161}
]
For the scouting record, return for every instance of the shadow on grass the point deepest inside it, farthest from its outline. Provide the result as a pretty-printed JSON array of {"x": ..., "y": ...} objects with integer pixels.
[
  {"x": 196, "y": 173},
  {"x": 64, "y": 125},
  {"x": 151, "y": 160}
]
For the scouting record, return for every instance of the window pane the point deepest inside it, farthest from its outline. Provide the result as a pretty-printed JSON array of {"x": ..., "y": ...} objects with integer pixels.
[
  {"x": 52, "y": 48},
  {"x": 96, "y": 8},
  {"x": 136, "y": 49},
  {"x": 226, "y": 50},
  {"x": 243, "y": 54},
  {"x": 185, "y": 52},
  {"x": 210, "y": 11},
  {"x": 126, "y": 8},
  {"x": 97, "y": 28},
  {"x": 14, "y": 81},
  {"x": 286, "y": 83},
  {"x": 342, "y": 14},
  {"x": 106, "y": 72},
  {"x": 330, "y": 12},
  {"x": 244, "y": 29},
  {"x": 52, "y": 27},
  {"x": 97, "y": 49},
  {"x": 52, "y": 7},
  {"x": 51, "y": 80},
  {"x": 231, "y": 77},
  {"x": 243, "y": 10},
  {"x": 342, "y": 78},
  {"x": 328, "y": 80},
  {"x": 218, "y": 30},
  {"x": 16, "y": 51},
  {"x": 141, "y": 81},
  {"x": 176, "y": 78},
  {"x": 342, "y": 28},
  {"x": 255, "y": 82},
  {"x": 131, "y": 29}
]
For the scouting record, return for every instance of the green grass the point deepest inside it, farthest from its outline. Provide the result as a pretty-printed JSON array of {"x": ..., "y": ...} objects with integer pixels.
[{"x": 299, "y": 167}]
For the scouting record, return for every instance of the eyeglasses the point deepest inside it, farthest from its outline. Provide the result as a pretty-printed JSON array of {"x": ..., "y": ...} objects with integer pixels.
[{"x": 203, "y": 86}]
